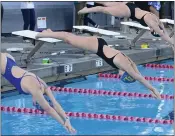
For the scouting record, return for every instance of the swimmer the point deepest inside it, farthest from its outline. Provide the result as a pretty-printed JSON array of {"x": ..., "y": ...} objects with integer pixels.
[
  {"x": 130, "y": 10},
  {"x": 28, "y": 83},
  {"x": 113, "y": 57},
  {"x": 150, "y": 6}
]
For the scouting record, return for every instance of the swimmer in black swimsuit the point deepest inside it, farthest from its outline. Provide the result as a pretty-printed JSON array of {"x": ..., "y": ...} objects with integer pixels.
[
  {"x": 28, "y": 83},
  {"x": 113, "y": 57},
  {"x": 130, "y": 10}
]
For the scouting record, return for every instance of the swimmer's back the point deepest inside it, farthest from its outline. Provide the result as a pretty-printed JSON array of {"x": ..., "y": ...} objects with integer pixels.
[{"x": 4, "y": 57}]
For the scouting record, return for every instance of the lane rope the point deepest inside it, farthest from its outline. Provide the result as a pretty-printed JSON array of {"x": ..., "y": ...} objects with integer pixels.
[
  {"x": 92, "y": 116},
  {"x": 166, "y": 66},
  {"x": 117, "y": 76},
  {"x": 107, "y": 93}
]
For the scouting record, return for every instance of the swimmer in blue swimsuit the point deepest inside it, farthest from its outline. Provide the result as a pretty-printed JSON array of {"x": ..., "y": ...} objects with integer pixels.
[
  {"x": 28, "y": 83},
  {"x": 130, "y": 10},
  {"x": 113, "y": 57}
]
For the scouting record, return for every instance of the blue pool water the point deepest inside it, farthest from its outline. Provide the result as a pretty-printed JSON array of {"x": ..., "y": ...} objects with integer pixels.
[{"x": 27, "y": 124}]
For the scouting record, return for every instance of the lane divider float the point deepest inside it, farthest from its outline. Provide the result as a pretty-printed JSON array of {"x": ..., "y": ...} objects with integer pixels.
[
  {"x": 107, "y": 93},
  {"x": 117, "y": 76},
  {"x": 92, "y": 116},
  {"x": 159, "y": 66}
]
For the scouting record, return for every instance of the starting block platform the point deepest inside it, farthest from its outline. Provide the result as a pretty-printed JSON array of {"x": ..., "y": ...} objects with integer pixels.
[{"x": 39, "y": 44}]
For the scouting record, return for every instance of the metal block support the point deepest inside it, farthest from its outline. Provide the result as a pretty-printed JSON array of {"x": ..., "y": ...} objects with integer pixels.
[
  {"x": 171, "y": 34},
  {"x": 39, "y": 44},
  {"x": 125, "y": 28},
  {"x": 137, "y": 38}
]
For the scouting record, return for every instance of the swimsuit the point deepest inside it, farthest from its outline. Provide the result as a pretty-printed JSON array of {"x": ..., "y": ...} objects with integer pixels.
[
  {"x": 13, "y": 80},
  {"x": 132, "y": 8},
  {"x": 100, "y": 53},
  {"x": 143, "y": 5}
]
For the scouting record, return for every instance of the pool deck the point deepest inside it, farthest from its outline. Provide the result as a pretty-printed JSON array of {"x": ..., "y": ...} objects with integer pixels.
[{"x": 83, "y": 63}]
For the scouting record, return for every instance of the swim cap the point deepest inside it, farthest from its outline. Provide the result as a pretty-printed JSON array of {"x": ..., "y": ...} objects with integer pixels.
[
  {"x": 170, "y": 116},
  {"x": 155, "y": 4},
  {"x": 38, "y": 107},
  {"x": 127, "y": 78}
]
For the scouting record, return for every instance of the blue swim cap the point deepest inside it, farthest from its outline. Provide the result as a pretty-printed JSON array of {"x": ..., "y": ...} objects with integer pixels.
[
  {"x": 170, "y": 116},
  {"x": 127, "y": 78},
  {"x": 38, "y": 107},
  {"x": 155, "y": 4}
]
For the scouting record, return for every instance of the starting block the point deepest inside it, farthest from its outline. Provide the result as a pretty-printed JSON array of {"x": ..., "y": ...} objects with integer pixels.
[{"x": 39, "y": 44}]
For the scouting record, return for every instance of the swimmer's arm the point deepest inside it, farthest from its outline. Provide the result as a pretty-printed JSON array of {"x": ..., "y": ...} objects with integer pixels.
[
  {"x": 154, "y": 11},
  {"x": 163, "y": 34},
  {"x": 142, "y": 80},
  {"x": 38, "y": 96},
  {"x": 56, "y": 105}
]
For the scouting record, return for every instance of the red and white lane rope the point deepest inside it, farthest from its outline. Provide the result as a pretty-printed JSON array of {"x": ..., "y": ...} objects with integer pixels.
[
  {"x": 159, "y": 66},
  {"x": 92, "y": 116},
  {"x": 107, "y": 93},
  {"x": 158, "y": 79}
]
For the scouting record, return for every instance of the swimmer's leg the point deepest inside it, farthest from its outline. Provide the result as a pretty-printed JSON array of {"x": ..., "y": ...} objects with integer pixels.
[
  {"x": 114, "y": 11},
  {"x": 35, "y": 91},
  {"x": 83, "y": 42}
]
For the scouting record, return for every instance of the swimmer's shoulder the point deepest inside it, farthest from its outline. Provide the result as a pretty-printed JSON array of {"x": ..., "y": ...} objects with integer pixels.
[{"x": 7, "y": 55}]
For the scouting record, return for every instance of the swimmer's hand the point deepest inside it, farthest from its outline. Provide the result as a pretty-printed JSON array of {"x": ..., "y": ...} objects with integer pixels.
[
  {"x": 44, "y": 34},
  {"x": 68, "y": 127},
  {"x": 156, "y": 94}
]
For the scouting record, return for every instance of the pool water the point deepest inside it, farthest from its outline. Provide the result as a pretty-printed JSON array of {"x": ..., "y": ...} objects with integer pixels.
[{"x": 27, "y": 124}]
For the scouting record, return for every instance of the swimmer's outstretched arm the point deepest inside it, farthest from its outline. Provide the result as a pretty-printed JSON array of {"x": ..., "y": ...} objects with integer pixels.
[
  {"x": 163, "y": 33},
  {"x": 38, "y": 96},
  {"x": 56, "y": 105},
  {"x": 166, "y": 36},
  {"x": 134, "y": 72},
  {"x": 143, "y": 81},
  {"x": 60, "y": 111}
]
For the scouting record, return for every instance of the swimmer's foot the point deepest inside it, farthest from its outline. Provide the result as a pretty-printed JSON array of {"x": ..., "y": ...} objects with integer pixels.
[
  {"x": 83, "y": 11},
  {"x": 44, "y": 34},
  {"x": 49, "y": 30}
]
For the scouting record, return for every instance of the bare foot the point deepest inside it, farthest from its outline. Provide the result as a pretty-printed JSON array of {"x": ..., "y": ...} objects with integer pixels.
[
  {"x": 49, "y": 30},
  {"x": 83, "y": 11}
]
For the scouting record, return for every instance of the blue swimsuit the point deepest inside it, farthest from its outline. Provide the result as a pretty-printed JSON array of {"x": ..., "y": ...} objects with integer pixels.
[
  {"x": 13, "y": 80},
  {"x": 17, "y": 81}
]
